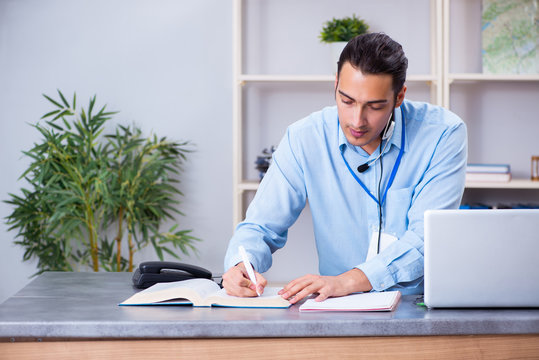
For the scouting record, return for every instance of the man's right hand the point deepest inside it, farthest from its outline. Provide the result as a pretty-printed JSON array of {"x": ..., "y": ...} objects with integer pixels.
[{"x": 236, "y": 282}]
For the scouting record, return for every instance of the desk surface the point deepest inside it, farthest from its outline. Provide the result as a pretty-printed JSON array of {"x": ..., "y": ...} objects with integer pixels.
[{"x": 85, "y": 305}]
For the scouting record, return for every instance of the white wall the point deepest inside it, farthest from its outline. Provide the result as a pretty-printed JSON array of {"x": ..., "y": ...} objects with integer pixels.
[{"x": 164, "y": 64}]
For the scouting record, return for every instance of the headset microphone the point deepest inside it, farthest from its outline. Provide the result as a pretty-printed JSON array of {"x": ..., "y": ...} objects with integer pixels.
[{"x": 363, "y": 168}]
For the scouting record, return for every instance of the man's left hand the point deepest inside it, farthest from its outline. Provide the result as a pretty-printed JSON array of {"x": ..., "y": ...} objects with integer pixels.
[{"x": 326, "y": 286}]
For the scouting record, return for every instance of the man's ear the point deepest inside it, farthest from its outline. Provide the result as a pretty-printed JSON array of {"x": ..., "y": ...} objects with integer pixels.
[{"x": 400, "y": 96}]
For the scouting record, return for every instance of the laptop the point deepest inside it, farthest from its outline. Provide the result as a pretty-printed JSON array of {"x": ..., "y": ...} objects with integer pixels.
[{"x": 482, "y": 258}]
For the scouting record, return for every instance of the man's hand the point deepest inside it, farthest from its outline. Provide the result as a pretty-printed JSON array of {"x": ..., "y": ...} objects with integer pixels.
[
  {"x": 236, "y": 282},
  {"x": 326, "y": 286}
]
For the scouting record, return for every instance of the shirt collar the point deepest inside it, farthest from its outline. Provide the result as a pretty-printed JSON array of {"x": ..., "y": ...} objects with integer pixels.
[{"x": 396, "y": 139}]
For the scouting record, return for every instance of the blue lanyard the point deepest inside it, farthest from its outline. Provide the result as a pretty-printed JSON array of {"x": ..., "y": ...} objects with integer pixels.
[{"x": 393, "y": 172}]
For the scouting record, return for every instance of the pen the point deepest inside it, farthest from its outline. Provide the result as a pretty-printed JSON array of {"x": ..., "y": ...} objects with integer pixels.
[{"x": 249, "y": 268}]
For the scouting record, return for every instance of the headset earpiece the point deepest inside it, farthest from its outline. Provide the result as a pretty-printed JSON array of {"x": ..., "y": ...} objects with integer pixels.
[{"x": 387, "y": 134}]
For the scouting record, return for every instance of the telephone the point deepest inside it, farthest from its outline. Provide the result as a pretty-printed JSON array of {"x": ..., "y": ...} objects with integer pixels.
[{"x": 151, "y": 272}]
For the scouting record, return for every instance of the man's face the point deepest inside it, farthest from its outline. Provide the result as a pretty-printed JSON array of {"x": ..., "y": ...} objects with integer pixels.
[{"x": 365, "y": 103}]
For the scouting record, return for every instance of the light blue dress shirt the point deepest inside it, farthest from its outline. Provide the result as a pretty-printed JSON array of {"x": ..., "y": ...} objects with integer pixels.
[{"x": 308, "y": 165}]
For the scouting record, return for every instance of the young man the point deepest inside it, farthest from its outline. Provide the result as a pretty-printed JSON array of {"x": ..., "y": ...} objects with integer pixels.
[{"x": 369, "y": 167}]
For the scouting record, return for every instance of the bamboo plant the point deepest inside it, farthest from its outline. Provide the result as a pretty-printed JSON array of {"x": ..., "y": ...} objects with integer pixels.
[{"x": 84, "y": 185}]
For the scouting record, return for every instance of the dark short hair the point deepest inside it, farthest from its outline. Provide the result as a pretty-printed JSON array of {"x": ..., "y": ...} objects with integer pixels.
[{"x": 376, "y": 53}]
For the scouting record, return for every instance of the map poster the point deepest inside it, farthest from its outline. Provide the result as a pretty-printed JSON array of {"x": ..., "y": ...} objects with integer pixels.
[{"x": 510, "y": 35}]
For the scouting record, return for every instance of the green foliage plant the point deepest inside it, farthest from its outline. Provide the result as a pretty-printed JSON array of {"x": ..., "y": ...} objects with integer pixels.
[
  {"x": 84, "y": 185},
  {"x": 343, "y": 29}
]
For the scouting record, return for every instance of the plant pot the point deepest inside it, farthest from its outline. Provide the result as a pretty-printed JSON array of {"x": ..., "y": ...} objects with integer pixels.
[{"x": 336, "y": 49}]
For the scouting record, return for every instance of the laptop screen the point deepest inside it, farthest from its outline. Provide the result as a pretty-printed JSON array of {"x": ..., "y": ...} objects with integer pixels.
[{"x": 482, "y": 258}]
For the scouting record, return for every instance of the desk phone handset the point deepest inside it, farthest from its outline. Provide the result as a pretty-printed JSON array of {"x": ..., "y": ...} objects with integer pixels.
[{"x": 152, "y": 272}]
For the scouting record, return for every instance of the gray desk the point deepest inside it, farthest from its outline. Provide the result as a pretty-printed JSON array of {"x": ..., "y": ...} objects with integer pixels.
[{"x": 69, "y": 310}]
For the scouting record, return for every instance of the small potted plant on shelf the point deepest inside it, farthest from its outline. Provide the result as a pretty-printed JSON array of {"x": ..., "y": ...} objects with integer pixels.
[{"x": 337, "y": 33}]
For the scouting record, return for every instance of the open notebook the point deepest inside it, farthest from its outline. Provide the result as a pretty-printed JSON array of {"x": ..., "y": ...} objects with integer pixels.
[
  {"x": 202, "y": 292},
  {"x": 373, "y": 301}
]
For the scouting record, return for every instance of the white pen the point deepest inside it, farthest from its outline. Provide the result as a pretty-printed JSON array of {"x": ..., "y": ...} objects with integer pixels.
[{"x": 248, "y": 266}]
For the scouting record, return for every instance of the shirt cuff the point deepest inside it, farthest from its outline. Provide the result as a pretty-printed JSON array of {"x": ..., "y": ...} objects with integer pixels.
[
  {"x": 378, "y": 274},
  {"x": 232, "y": 261},
  {"x": 235, "y": 258}
]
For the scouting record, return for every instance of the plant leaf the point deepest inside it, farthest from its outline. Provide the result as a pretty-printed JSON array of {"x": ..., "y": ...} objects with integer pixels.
[
  {"x": 63, "y": 99},
  {"x": 50, "y": 114},
  {"x": 52, "y": 101}
]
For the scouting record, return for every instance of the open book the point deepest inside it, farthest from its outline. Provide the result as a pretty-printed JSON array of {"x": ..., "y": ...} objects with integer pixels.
[
  {"x": 373, "y": 301},
  {"x": 202, "y": 292}
]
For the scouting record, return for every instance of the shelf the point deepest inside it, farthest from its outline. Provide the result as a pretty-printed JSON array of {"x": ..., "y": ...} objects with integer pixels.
[
  {"x": 513, "y": 184},
  {"x": 492, "y": 77},
  {"x": 315, "y": 78},
  {"x": 248, "y": 185}
]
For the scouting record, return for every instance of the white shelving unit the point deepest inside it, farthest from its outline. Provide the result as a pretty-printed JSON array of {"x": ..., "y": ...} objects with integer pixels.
[
  {"x": 440, "y": 80},
  {"x": 450, "y": 78}
]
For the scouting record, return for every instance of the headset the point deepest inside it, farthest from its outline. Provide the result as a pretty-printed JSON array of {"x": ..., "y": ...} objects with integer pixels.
[{"x": 386, "y": 135}]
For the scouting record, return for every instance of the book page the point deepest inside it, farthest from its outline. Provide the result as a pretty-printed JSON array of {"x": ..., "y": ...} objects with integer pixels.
[
  {"x": 374, "y": 301},
  {"x": 203, "y": 287},
  {"x": 193, "y": 290},
  {"x": 269, "y": 299}
]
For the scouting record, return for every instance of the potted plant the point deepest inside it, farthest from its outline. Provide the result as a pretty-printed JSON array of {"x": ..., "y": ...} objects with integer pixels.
[
  {"x": 337, "y": 33},
  {"x": 83, "y": 185}
]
